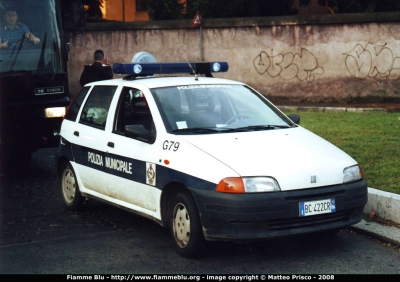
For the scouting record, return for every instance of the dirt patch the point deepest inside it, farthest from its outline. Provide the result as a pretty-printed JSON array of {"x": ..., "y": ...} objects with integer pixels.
[{"x": 380, "y": 220}]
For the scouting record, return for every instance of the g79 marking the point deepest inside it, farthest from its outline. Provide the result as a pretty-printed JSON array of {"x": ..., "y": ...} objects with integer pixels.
[{"x": 170, "y": 145}]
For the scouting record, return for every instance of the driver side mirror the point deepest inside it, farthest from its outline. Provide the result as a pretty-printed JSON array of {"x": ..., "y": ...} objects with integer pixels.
[{"x": 295, "y": 118}]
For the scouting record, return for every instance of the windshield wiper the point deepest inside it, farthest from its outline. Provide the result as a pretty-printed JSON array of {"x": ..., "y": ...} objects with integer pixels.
[
  {"x": 256, "y": 127},
  {"x": 197, "y": 130},
  {"x": 226, "y": 130}
]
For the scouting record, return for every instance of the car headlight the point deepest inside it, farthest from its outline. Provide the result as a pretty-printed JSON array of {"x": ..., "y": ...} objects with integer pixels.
[
  {"x": 54, "y": 112},
  {"x": 242, "y": 185},
  {"x": 352, "y": 173}
]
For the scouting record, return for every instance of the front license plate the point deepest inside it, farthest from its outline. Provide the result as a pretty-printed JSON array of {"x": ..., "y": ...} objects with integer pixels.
[{"x": 317, "y": 207}]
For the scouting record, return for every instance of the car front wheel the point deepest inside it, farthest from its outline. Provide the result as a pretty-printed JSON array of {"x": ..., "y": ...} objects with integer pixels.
[
  {"x": 70, "y": 189},
  {"x": 186, "y": 227}
]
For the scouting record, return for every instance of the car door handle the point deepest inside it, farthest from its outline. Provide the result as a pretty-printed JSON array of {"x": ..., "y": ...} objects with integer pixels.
[
  {"x": 110, "y": 144},
  {"x": 76, "y": 133}
]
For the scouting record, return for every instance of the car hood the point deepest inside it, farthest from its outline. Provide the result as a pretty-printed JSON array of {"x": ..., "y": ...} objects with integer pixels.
[{"x": 292, "y": 156}]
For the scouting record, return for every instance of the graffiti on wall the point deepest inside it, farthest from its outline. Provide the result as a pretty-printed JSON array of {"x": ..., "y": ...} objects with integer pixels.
[
  {"x": 303, "y": 65},
  {"x": 371, "y": 60}
]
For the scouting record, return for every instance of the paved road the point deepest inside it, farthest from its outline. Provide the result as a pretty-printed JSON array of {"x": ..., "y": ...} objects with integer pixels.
[
  {"x": 32, "y": 208},
  {"x": 37, "y": 235}
]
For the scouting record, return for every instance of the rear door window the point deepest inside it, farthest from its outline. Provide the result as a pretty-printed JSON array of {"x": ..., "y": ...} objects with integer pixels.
[{"x": 97, "y": 105}]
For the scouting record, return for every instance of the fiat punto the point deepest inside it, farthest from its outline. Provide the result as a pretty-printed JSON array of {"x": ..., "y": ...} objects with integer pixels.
[{"x": 210, "y": 158}]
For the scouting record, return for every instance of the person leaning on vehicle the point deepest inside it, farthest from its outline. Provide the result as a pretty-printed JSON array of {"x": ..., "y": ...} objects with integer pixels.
[
  {"x": 99, "y": 70},
  {"x": 13, "y": 32}
]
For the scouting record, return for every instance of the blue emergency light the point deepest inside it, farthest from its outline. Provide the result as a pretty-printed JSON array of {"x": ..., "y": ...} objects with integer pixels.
[{"x": 149, "y": 69}]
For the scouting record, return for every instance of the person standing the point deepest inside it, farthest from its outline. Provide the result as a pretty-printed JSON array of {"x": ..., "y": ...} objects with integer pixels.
[
  {"x": 99, "y": 70},
  {"x": 13, "y": 32}
]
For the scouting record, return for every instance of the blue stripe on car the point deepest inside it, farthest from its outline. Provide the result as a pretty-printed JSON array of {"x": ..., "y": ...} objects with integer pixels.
[{"x": 164, "y": 175}]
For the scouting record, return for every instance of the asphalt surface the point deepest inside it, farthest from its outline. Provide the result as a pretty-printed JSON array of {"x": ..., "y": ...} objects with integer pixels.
[{"x": 34, "y": 210}]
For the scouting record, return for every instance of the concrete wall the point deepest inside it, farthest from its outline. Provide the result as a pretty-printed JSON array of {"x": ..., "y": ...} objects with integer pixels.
[{"x": 324, "y": 59}]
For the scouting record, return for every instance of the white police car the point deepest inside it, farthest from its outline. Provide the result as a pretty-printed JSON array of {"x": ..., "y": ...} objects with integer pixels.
[{"x": 210, "y": 158}]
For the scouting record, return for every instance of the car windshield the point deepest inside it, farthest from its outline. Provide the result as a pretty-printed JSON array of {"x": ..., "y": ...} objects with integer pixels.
[
  {"x": 30, "y": 30},
  {"x": 207, "y": 109}
]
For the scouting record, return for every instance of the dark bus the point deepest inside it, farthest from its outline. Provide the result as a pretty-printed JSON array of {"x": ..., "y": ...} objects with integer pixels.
[{"x": 34, "y": 91}]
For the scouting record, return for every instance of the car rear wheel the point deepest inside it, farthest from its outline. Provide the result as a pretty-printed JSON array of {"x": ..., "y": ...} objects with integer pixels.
[
  {"x": 70, "y": 189},
  {"x": 186, "y": 227}
]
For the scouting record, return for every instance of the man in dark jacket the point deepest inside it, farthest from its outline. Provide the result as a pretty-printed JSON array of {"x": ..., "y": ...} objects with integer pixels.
[{"x": 99, "y": 70}]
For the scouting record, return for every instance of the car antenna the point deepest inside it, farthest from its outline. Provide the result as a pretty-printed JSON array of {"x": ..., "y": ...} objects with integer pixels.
[{"x": 195, "y": 74}]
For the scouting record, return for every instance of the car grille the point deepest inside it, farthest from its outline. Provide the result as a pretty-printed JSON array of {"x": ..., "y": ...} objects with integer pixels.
[
  {"x": 306, "y": 221},
  {"x": 297, "y": 222}
]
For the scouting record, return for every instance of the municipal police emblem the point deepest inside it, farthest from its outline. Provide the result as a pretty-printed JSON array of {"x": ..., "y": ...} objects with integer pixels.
[{"x": 150, "y": 174}]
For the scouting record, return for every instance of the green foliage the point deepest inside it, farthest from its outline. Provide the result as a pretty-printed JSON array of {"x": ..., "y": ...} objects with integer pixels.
[
  {"x": 238, "y": 8},
  {"x": 164, "y": 9},
  {"x": 364, "y": 6},
  {"x": 371, "y": 138},
  {"x": 173, "y": 9},
  {"x": 93, "y": 9}
]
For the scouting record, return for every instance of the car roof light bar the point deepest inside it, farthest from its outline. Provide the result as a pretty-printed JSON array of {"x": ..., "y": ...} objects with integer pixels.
[{"x": 149, "y": 69}]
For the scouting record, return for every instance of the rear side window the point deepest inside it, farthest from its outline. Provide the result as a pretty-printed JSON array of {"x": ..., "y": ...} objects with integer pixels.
[
  {"x": 96, "y": 108},
  {"x": 73, "y": 110}
]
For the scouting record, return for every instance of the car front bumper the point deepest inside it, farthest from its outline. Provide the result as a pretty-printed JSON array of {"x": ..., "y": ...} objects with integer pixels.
[{"x": 256, "y": 216}]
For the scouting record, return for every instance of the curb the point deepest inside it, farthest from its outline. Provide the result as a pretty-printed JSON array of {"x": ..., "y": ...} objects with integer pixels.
[
  {"x": 389, "y": 234},
  {"x": 387, "y": 206},
  {"x": 384, "y": 204}
]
